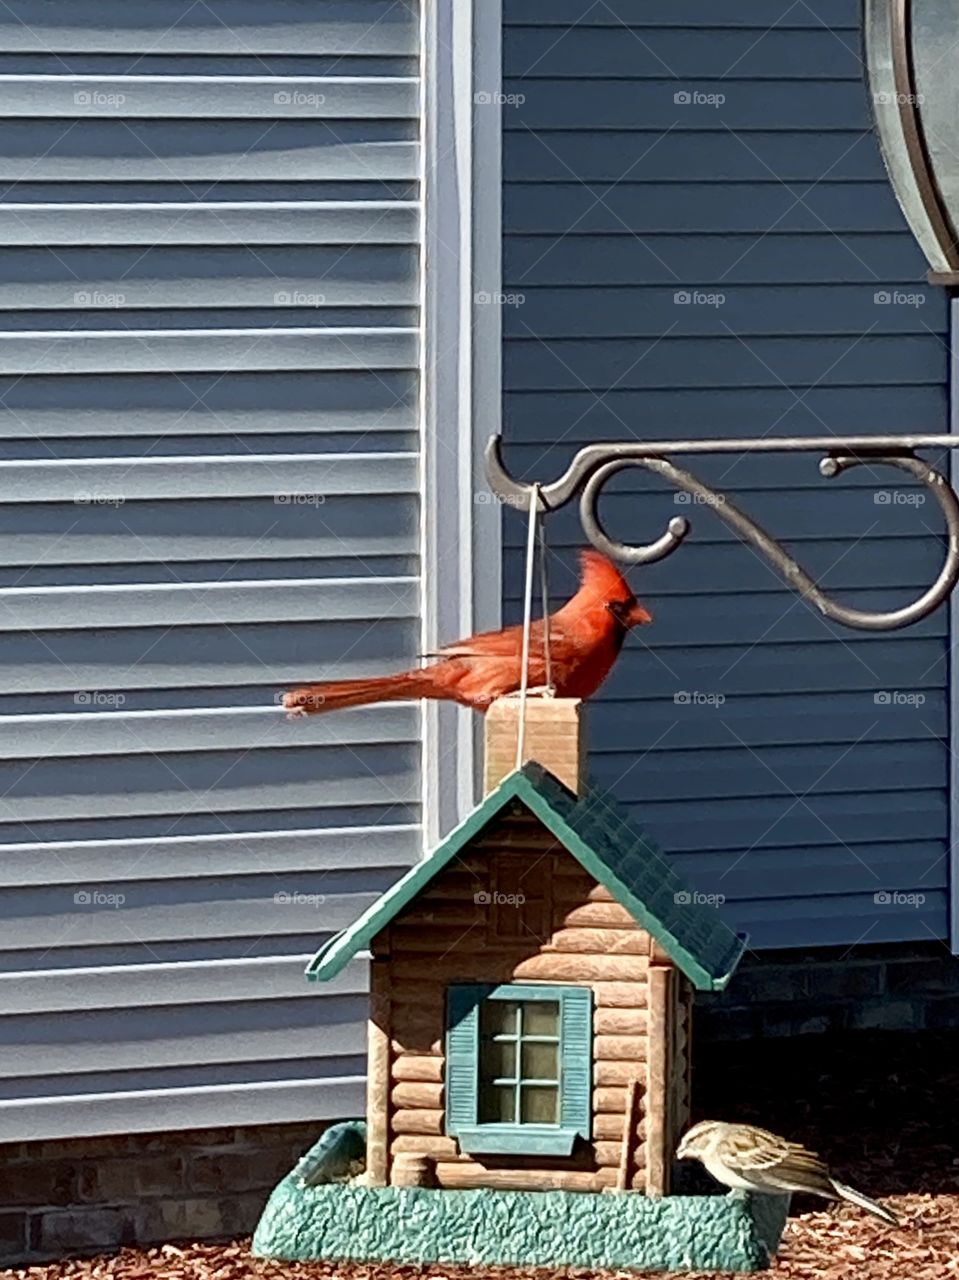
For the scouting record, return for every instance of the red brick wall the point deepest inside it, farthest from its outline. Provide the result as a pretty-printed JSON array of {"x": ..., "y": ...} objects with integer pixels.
[
  {"x": 892, "y": 987},
  {"x": 60, "y": 1198}
]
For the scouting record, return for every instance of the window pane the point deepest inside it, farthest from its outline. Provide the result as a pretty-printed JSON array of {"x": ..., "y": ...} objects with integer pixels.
[
  {"x": 497, "y": 1104},
  {"x": 519, "y": 1043},
  {"x": 541, "y": 1018},
  {"x": 498, "y": 1060},
  {"x": 539, "y": 1105},
  {"x": 540, "y": 1061},
  {"x": 499, "y": 1016}
]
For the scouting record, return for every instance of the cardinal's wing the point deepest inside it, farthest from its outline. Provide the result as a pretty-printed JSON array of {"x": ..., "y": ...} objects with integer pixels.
[{"x": 507, "y": 643}]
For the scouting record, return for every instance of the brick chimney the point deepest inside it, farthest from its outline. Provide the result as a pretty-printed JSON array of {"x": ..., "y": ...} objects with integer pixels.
[{"x": 555, "y": 738}]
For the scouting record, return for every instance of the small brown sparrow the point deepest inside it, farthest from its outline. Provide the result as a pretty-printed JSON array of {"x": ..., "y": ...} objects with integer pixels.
[{"x": 750, "y": 1159}]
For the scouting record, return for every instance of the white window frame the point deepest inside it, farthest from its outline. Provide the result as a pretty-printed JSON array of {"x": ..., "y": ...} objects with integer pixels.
[{"x": 461, "y": 371}]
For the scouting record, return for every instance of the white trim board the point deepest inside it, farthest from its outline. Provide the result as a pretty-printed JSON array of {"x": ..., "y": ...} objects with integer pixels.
[{"x": 461, "y": 384}]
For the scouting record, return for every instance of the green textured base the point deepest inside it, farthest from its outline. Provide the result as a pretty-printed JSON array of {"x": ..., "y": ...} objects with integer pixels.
[{"x": 348, "y": 1222}]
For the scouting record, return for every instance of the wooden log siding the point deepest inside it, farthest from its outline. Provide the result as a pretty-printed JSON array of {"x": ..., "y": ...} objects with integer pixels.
[
  {"x": 609, "y": 1124},
  {"x": 661, "y": 984},
  {"x": 628, "y": 1136},
  {"x": 615, "y": 1072},
  {"x": 418, "y": 1066},
  {"x": 417, "y": 1096},
  {"x": 611, "y": 1100},
  {"x": 470, "y": 1173},
  {"x": 436, "y": 1147},
  {"x": 626, "y": 1022},
  {"x": 625, "y": 1048},
  {"x": 418, "y": 1120},
  {"x": 378, "y": 1075},
  {"x": 444, "y": 937},
  {"x": 619, "y": 995},
  {"x": 684, "y": 1027},
  {"x": 416, "y": 1026},
  {"x": 603, "y": 942}
]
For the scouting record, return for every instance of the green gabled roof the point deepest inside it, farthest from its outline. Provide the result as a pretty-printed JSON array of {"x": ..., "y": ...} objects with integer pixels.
[{"x": 595, "y": 830}]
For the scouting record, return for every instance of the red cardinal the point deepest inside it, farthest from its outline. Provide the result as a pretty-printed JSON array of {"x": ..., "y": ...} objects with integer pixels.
[{"x": 586, "y": 636}]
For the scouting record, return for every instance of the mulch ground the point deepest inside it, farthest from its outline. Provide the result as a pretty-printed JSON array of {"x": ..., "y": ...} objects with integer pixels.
[{"x": 884, "y": 1108}]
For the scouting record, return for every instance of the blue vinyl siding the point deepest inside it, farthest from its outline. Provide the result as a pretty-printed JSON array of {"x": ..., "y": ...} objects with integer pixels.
[
  {"x": 209, "y": 302},
  {"x": 799, "y": 797}
]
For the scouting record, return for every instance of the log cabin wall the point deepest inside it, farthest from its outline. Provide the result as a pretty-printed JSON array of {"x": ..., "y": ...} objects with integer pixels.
[
  {"x": 668, "y": 1083},
  {"x": 682, "y": 1082},
  {"x": 568, "y": 930}
]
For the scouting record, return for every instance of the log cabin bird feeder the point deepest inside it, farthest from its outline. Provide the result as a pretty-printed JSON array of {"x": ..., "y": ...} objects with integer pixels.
[{"x": 532, "y": 982}]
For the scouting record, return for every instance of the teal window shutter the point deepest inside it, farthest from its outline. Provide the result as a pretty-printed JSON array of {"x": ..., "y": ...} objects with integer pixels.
[
  {"x": 576, "y": 1049},
  {"x": 523, "y": 1129},
  {"x": 462, "y": 1056}
]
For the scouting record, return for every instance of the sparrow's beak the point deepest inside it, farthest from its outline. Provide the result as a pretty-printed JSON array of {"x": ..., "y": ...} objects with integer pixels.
[
  {"x": 638, "y": 616},
  {"x": 681, "y": 1152}
]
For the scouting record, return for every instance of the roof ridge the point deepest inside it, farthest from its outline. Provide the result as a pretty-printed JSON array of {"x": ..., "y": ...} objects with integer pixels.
[{"x": 595, "y": 828}]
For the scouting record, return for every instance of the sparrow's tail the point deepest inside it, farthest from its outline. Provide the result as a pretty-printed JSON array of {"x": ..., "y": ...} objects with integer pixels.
[
  {"x": 871, "y": 1206},
  {"x": 336, "y": 695}
]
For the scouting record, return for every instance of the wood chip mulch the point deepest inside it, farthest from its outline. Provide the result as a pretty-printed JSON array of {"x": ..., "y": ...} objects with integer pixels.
[
  {"x": 883, "y": 1107},
  {"x": 816, "y": 1246}
]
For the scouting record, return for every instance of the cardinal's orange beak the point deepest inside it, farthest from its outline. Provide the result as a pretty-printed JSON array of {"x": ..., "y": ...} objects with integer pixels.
[{"x": 638, "y": 616}]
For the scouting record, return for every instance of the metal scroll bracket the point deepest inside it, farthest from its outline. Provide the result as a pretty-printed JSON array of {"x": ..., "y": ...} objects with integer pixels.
[{"x": 594, "y": 465}]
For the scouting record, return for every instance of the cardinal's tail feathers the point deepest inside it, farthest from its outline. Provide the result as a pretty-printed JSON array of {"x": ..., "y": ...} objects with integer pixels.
[
  {"x": 864, "y": 1202},
  {"x": 336, "y": 695}
]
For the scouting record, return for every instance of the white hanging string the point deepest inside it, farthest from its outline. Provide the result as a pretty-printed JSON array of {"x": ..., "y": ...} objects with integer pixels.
[
  {"x": 544, "y": 591},
  {"x": 527, "y": 624}
]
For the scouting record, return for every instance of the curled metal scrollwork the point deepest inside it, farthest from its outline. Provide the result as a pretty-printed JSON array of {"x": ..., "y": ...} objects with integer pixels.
[{"x": 597, "y": 464}]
